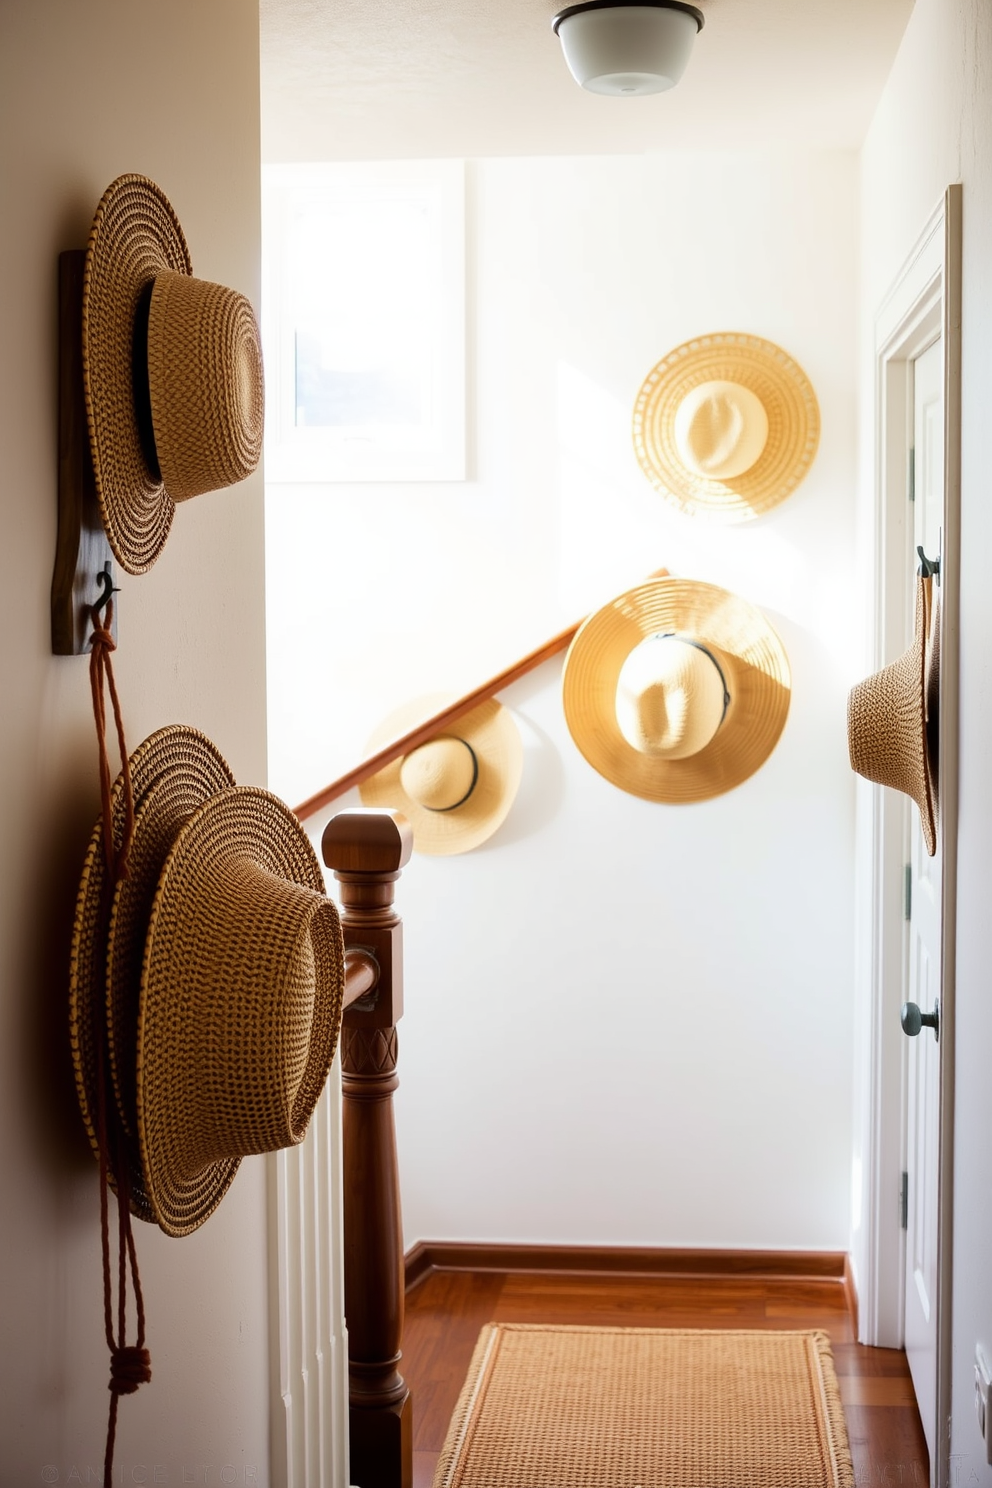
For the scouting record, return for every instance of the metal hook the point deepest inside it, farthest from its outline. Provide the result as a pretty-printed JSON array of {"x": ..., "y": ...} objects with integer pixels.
[
  {"x": 105, "y": 578},
  {"x": 929, "y": 567}
]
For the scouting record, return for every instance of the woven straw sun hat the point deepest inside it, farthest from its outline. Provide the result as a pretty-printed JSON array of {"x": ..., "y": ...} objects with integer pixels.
[
  {"x": 172, "y": 372},
  {"x": 172, "y": 773},
  {"x": 891, "y": 714},
  {"x": 676, "y": 691},
  {"x": 456, "y": 789},
  {"x": 240, "y": 1001},
  {"x": 726, "y": 425}
]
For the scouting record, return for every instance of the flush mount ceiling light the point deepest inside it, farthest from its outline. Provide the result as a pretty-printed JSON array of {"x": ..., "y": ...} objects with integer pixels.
[{"x": 624, "y": 49}]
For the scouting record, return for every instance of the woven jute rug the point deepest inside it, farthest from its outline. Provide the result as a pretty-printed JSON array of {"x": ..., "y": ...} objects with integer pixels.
[{"x": 647, "y": 1408}]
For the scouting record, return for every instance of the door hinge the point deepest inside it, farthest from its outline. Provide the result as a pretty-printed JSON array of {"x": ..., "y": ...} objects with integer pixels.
[
  {"x": 911, "y": 491},
  {"x": 907, "y": 892},
  {"x": 904, "y": 1203}
]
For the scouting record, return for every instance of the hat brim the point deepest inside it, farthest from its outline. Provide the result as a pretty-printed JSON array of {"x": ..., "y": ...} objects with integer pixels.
[
  {"x": 189, "y": 762},
  {"x": 492, "y": 733},
  {"x": 195, "y": 772},
  {"x": 750, "y": 654},
  {"x": 887, "y": 721},
  {"x": 248, "y": 825},
  {"x": 135, "y": 236},
  {"x": 788, "y": 399}
]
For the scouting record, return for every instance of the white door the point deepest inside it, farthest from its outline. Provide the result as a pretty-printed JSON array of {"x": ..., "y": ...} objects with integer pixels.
[{"x": 923, "y": 959}]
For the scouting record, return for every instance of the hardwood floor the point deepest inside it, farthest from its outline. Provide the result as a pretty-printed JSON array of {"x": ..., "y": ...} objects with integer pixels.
[{"x": 445, "y": 1311}]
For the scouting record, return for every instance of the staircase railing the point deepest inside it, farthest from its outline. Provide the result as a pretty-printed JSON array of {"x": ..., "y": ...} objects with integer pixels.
[
  {"x": 434, "y": 725},
  {"x": 367, "y": 851},
  {"x": 441, "y": 720}
]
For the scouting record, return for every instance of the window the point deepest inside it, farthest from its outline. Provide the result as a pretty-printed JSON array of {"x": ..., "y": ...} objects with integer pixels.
[{"x": 364, "y": 323}]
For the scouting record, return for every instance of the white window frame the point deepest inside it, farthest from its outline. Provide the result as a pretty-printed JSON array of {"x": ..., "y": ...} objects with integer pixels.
[{"x": 434, "y": 450}]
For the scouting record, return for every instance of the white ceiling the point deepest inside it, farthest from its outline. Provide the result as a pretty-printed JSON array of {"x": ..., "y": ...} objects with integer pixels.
[{"x": 357, "y": 79}]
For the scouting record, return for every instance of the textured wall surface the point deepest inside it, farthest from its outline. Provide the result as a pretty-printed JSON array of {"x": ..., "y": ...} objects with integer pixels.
[{"x": 87, "y": 92}]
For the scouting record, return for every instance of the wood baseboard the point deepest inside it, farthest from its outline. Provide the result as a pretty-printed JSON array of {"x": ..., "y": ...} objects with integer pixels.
[
  {"x": 428, "y": 1256},
  {"x": 851, "y": 1292}
]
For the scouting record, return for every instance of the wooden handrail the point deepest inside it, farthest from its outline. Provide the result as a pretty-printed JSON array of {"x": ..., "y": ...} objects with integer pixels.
[
  {"x": 441, "y": 720},
  {"x": 360, "y": 976}
]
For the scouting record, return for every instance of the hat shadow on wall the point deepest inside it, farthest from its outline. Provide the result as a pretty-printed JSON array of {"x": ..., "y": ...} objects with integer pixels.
[
  {"x": 65, "y": 822},
  {"x": 541, "y": 793}
]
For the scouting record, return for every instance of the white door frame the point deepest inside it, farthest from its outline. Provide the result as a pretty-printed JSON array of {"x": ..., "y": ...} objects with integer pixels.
[{"x": 924, "y": 300}]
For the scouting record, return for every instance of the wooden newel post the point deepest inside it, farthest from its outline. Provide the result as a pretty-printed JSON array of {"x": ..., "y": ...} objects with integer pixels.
[{"x": 367, "y": 850}]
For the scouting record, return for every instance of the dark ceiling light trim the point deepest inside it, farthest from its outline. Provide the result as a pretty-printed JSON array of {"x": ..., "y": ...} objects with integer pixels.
[{"x": 571, "y": 10}]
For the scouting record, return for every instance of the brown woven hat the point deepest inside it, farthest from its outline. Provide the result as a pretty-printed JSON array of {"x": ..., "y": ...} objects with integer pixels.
[
  {"x": 172, "y": 372},
  {"x": 196, "y": 773},
  {"x": 887, "y": 720},
  {"x": 240, "y": 1003},
  {"x": 457, "y": 789},
  {"x": 172, "y": 773},
  {"x": 726, "y": 425},
  {"x": 676, "y": 691}
]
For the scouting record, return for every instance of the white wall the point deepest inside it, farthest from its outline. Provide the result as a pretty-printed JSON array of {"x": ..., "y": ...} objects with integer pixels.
[
  {"x": 626, "y": 1023},
  {"x": 86, "y": 92},
  {"x": 934, "y": 126}
]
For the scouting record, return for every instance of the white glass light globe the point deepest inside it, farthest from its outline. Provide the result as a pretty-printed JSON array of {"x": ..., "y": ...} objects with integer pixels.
[{"x": 627, "y": 49}]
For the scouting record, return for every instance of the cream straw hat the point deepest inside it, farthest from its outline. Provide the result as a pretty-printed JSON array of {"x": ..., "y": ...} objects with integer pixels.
[
  {"x": 172, "y": 372},
  {"x": 676, "y": 690},
  {"x": 888, "y": 716},
  {"x": 726, "y": 425},
  {"x": 456, "y": 789}
]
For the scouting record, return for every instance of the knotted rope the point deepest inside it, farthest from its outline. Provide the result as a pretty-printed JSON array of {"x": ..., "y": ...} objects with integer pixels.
[{"x": 130, "y": 1364}]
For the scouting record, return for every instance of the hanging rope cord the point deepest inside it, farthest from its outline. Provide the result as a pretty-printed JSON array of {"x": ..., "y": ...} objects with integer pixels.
[{"x": 130, "y": 1364}]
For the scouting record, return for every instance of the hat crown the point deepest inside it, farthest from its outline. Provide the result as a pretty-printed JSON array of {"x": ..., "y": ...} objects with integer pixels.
[
  {"x": 887, "y": 722},
  {"x": 721, "y": 429},
  {"x": 240, "y": 1000},
  {"x": 262, "y": 959},
  {"x": 205, "y": 384},
  {"x": 670, "y": 697},
  {"x": 441, "y": 774}
]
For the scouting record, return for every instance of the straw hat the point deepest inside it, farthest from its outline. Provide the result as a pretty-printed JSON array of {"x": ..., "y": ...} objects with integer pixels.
[
  {"x": 172, "y": 372},
  {"x": 220, "y": 942},
  {"x": 192, "y": 777},
  {"x": 179, "y": 768},
  {"x": 456, "y": 789},
  {"x": 676, "y": 690},
  {"x": 726, "y": 425},
  {"x": 240, "y": 1003},
  {"x": 887, "y": 721}
]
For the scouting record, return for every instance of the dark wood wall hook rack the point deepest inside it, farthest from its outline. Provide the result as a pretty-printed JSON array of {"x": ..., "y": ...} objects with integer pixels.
[{"x": 83, "y": 577}]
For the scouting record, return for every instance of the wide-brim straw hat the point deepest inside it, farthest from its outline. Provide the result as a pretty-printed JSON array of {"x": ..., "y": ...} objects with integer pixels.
[
  {"x": 172, "y": 773},
  {"x": 457, "y": 789},
  {"x": 240, "y": 1002},
  {"x": 704, "y": 624},
  {"x": 726, "y": 426},
  {"x": 890, "y": 714},
  {"x": 172, "y": 372},
  {"x": 195, "y": 774}
]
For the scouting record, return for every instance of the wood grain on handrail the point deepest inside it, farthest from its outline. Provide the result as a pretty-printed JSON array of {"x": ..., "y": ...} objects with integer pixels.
[
  {"x": 441, "y": 720},
  {"x": 361, "y": 972}
]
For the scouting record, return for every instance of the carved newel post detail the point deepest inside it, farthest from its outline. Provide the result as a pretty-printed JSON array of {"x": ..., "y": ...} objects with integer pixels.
[{"x": 367, "y": 850}]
